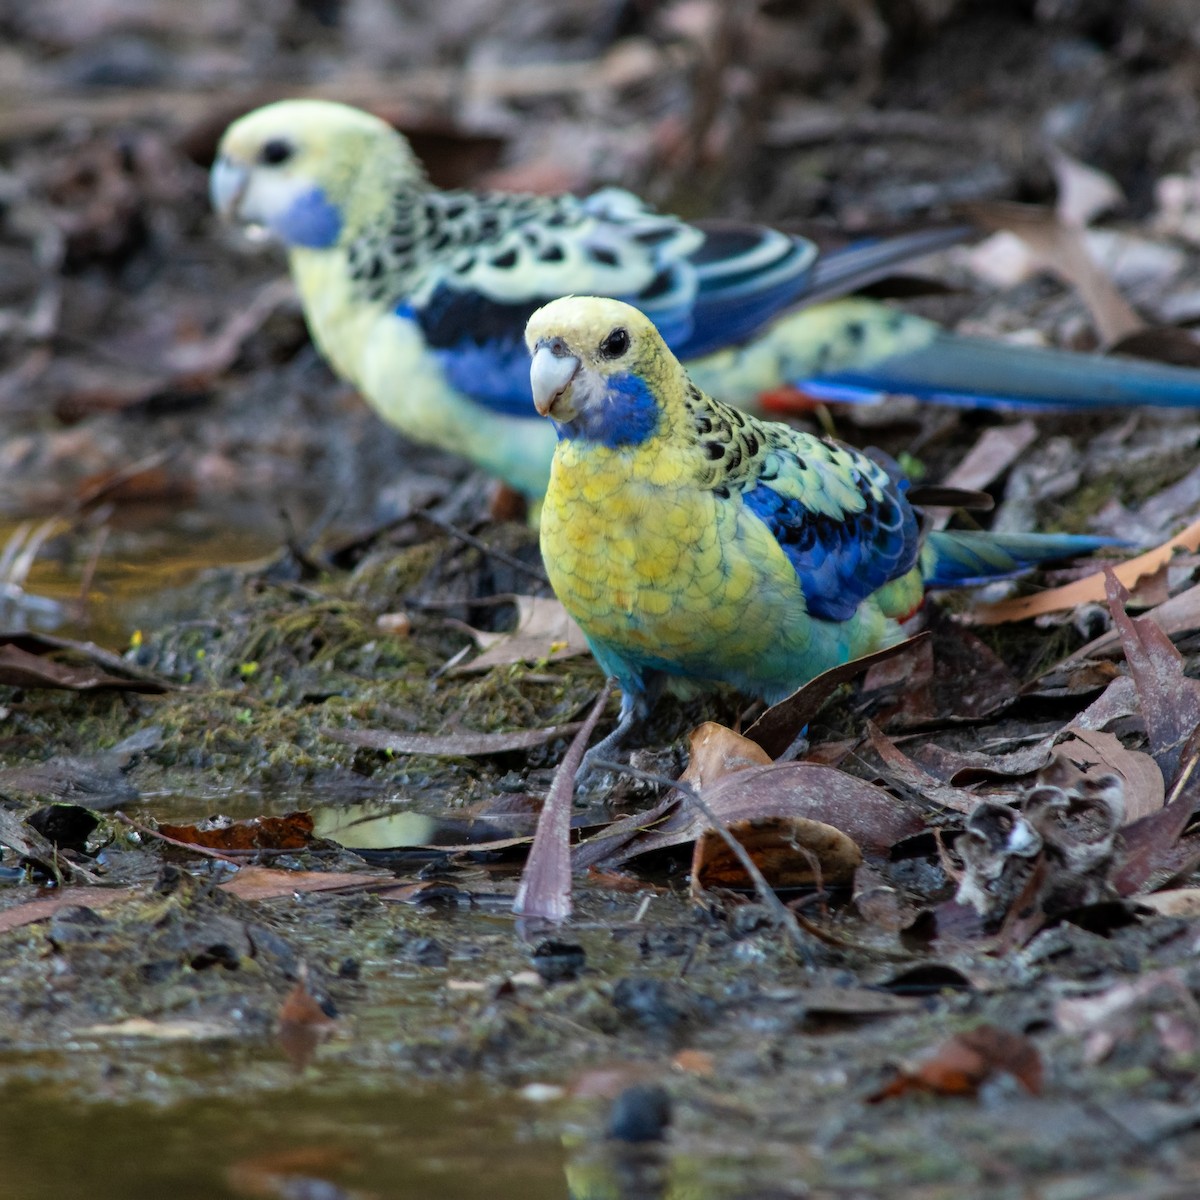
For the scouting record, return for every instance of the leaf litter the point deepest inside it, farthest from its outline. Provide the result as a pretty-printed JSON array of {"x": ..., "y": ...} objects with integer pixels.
[{"x": 881, "y": 797}]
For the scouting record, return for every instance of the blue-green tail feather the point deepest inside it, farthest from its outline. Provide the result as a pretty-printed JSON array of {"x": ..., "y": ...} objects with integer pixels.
[
  {"x": 978, "y": 373},
  {"x": 961, "y": 558}
]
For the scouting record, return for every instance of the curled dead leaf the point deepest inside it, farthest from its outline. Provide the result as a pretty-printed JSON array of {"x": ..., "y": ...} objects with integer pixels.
[
  {"x": 716, "y": 751},
  {"x": 1089, "y": 590},
  {"x": 544, "y": 633},
  {"x": 791, "y": 852},
  {"x": 293, "y": 831},
  {"x": 962, "y": 1063}
]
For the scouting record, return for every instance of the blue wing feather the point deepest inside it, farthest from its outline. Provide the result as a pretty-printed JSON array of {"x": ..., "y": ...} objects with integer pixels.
[
  {"x": 739, "y": 278},
  {"x": 841, "y": 560}
]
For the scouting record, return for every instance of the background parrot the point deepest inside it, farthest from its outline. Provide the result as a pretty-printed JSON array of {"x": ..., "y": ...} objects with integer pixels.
[{"x": 419, "y": 297}]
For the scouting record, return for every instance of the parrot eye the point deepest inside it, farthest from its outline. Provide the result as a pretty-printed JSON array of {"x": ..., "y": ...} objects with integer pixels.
[
  {"x": 275, "y": 151},
  {"x": 615, "y": 344}
]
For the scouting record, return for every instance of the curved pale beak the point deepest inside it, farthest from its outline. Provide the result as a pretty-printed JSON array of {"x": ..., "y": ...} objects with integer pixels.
[
  {"x": 550, "y": 374},
  {"x": 226, "y": 185}
]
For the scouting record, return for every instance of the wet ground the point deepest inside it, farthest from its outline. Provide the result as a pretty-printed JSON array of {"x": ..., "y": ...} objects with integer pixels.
[{"x": 184, "y": 484}]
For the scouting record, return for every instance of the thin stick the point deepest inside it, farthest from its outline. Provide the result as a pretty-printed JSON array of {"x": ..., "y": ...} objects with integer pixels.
[
  {"x": 469, "y": 539},
  {"x": 785, "y": 918}
]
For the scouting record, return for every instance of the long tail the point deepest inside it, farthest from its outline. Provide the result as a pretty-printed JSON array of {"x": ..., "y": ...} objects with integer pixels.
[
  {"x": 978, "y": 373},
  {"x": 839, "y": 272},
  {"x": 860, "y": 350},
  {"x": 961, "y": 558}
]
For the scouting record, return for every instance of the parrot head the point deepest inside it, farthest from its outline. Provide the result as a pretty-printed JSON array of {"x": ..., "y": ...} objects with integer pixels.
[
  {"x": 600, "y": 370},
  {"x": 295, "y": 168}
]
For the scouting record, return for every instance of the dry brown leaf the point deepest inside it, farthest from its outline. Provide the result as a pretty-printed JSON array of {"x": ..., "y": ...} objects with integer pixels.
[
  {"x": 544, "y": 633},
  {"x": 545, "y": 887},
  {"x": 45, "y": 907},
  {"x": 303, "y": 1024},
  {"x": 1174, "y": 902},
  {"x": 266, "y": 883},
  {"x": 995, "y": 451},
  {"x": 1062, "y": 249},
  {"x": 38, "y": 645},
  {"x": 716, "y": 751},
  {"x": 1096, "y": 753},
  {"x": 791, "y": 852},
  {"x": 905, "y": 771},
  {"x": 1180, "y": 614},
  {"x": 1155, "y": 850},
  {"x": 293, "y": 831},
  {"x": 19, "y": 668},
  {"x": 961, "y": 1064},
  {"x": 779, "y": 726},
  {"x": 874, "y": 819},
  {"x": 1084, "y": 193},
  {"x": 1089, "y": 590},
  {"x": 1169, "y": 700}
]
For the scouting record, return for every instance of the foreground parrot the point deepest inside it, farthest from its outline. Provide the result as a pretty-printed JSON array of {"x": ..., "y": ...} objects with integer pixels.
[
  {"x": 688, "y": 539},
  {"x": 419, "y": 297}
]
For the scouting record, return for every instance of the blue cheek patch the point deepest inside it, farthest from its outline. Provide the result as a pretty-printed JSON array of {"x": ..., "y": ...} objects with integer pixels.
[
  {"x": 627, "y": 415},
  {"x": 311, "y": 221}
]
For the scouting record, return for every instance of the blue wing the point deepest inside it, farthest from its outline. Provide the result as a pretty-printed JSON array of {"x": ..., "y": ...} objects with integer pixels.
[
  {"x": 733, "y": 283},
  {"x": 706, "y": 286},
  {"x": 841, "y": 560}
]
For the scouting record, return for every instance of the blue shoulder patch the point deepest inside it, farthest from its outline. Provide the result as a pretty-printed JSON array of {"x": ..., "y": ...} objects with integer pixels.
[
  {"x": 480, "y": 345},
  {"x": 311, "y": 221},
  {"x": 627, "y": 415},
  {"x": 840, "y": 561}
]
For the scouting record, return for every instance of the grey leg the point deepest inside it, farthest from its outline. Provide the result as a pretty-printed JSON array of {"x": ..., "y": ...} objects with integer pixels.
[{"x": 635, "y": 707}]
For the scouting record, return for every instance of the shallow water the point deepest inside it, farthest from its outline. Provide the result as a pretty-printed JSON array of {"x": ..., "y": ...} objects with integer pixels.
[
  {"x": 103, "y": 588},
  {"x": 319, "y": 1141}
]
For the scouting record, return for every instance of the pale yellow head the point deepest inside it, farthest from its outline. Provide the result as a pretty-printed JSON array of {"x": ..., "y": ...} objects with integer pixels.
[
  {"x": 601, "y": 370},
  {"x": 297, "y": 168}
]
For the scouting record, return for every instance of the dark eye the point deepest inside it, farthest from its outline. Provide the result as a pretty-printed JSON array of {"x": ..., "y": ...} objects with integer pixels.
[
  {"x": 615, "y": 344},
  {"x": 275, "y": 151}
]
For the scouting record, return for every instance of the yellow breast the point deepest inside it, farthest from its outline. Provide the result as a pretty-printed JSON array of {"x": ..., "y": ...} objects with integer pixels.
[{"x": 662, "y": 570}]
